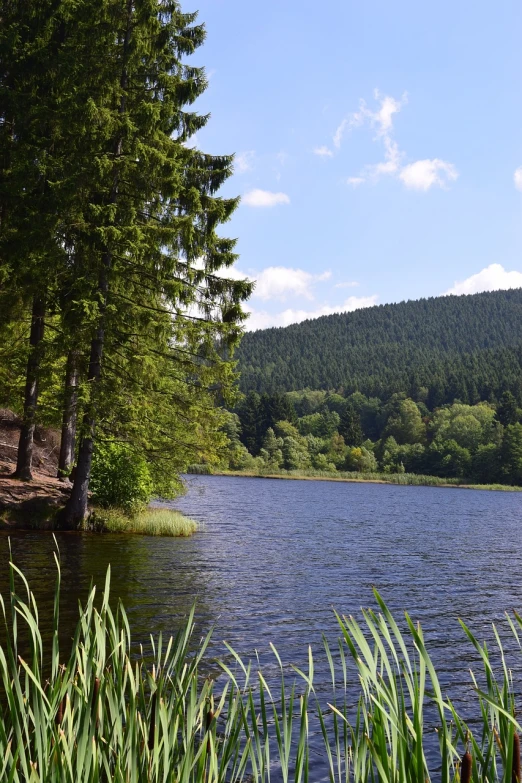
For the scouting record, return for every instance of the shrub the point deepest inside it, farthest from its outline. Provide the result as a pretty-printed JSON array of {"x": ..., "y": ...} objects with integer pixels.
[{"x": 120, "y": 477}]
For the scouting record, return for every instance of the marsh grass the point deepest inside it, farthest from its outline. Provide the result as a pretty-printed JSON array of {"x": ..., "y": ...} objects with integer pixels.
[
  {"x": 403, "y": 479},
  {"x": 98, "y": 713},
  {"x": 146, "y": 522}
]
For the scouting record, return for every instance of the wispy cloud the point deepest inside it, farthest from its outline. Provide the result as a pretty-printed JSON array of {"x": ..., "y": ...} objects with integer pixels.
[
  {"x": 517, "y": 178},
  {"x": 244, "y": 161},
  {"x": 260, "y": 319},
  {"x": 381, "y": 118},
  {"x": 339, "y": 133},
  {"x": 418, "y": 175},
  {"x": 349, "y": 284},
  {"x": 323, "y": 152},
  {"x": 264, "y": 198},
  {"x": 493, "y": 278}
]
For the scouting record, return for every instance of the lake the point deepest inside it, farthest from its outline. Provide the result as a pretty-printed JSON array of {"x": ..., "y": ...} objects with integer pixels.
[{"x": 273, "y": 558}]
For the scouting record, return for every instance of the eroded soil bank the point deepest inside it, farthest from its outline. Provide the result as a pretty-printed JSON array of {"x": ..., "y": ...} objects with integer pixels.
[{"x": 29, "y": 503}]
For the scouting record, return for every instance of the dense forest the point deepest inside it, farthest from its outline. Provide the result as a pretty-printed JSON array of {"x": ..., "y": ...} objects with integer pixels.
[
  {"x": 324, "y": 431},
  {"x": 429, "y": 387},
  {"x": 438, "y": 350}
]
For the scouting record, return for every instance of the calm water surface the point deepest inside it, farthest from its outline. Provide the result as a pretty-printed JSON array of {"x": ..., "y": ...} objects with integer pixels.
[{"x": 274, "y": 557}]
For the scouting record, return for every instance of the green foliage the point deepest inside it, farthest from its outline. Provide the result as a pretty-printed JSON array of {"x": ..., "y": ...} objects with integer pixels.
[
  {"x": 111, "y": 220},
  {"x": 511, "y": 454},
  {"x": 462, "y": 442},
  {"x": 486, "y": 465},
  {"x": 350, "y": 426},
  {"x": 120, "y": 477},
  {"x": 361, "y": 459},
  {"x": 508, "y": 411},
  {"x": 405, "y": 423},
  {"x": 167, "y": 721},
  {"x": 321, "y": 425},
  {"x": 272, "y": 451},
  {"x": 434, "y": 350},
  {"x": 449, "y": 459},
  {"x": 467, "y": 425},
  {"x": 144, "y": 522}
]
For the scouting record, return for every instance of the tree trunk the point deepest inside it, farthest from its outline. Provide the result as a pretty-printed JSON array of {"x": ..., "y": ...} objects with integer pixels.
[
  {"x": 69, "y": 419},
  {"x": 76, "y": 508},
  {"x": 24, "y": 460}
]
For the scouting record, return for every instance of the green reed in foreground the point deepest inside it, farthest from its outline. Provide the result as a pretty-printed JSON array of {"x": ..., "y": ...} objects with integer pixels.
[{"x": 102, "y": 714}]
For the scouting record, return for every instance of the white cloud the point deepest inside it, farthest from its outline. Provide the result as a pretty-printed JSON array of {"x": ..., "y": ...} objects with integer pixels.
[
  {"x": 391, "y": 162},
  {"x": 383, "y": 117},
  {"x": 493, "y": 278},
  {"x": 517, "y": 177},
  {"x": 339, "y": 133},
  {"x": 279, "y": 282},
  {"x": 264, "y": 320},
  {"x": 423, "y": 174},
  {"x": 264, "y": 198},
  {"x": 324, "y": 152},
  {"x": 243, "y": 161},
  {"x": 232, "y": 273},
  {"x": 192, "y": 142},
  {"x": 419, "y": 175}
]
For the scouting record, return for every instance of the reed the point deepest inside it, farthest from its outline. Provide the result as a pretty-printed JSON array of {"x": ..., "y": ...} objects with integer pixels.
[
  {"x": 101, "y": 712},
  {"x": 147, "y": 522},
  {"x": 402, "y": 479}
]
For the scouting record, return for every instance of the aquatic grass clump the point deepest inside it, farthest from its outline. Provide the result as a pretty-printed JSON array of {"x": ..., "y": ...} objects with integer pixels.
[
  {"x": 146, "y": 522},
  {"x": 99, "y": 713},
  {"x": 102, "y": 713}
]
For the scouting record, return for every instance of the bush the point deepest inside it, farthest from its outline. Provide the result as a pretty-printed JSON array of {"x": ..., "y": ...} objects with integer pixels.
[{"x": 120, "y": 477}]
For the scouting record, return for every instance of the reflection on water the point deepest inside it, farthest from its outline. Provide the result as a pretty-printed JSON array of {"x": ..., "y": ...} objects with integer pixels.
[{"x": 274, "y": 557}]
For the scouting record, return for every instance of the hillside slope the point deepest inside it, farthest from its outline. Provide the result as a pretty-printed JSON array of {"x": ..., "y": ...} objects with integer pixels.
[{"x": 469, "y": 347}]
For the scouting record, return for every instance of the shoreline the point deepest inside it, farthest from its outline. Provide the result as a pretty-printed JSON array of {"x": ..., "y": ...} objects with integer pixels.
[
  {"x": 35, "y": 506},
  {"x": 431, "y": 481}
]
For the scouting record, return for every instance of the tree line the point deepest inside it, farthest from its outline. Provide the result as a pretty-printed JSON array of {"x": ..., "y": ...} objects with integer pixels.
[
  {"x": 117, "y": 318},
  {"x": 454, "y": 347},
  {"x": 330, "y": 432}
]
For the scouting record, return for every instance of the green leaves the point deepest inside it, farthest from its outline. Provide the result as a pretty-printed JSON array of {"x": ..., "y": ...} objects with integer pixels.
[{"x": 105, "y": 711}]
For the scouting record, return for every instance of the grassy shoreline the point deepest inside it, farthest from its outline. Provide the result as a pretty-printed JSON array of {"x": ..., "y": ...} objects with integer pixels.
[
  {"x": 36, "y": 505},
  {"x": 397, "y": 479},
  {"x": 151, "y": 521},
  {"x": 145, "y": 522}
]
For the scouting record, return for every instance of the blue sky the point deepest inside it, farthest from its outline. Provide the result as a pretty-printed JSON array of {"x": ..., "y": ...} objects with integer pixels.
[{"x": 378, "y": 147}]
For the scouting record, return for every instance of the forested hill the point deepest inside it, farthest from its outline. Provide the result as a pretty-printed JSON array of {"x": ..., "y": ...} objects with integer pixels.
[{"x": 465, "y": 347}]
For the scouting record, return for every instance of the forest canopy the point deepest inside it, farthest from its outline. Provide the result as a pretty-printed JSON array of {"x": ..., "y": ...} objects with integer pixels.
[
  {"x": 437, "y": 350},
  {"x": 427, "y": 387}
]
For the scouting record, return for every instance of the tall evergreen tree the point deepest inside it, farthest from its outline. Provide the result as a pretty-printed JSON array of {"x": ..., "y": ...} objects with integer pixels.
[{"x": 150, "y": 208}]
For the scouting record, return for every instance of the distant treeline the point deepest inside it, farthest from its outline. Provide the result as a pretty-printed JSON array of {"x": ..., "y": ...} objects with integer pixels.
[
  {"x": 317, "y": 430},
  {"x": 434, "y": 350}
]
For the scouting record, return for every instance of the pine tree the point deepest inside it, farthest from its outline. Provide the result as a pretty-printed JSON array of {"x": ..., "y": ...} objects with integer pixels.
[{"x": 150, "y": 211}]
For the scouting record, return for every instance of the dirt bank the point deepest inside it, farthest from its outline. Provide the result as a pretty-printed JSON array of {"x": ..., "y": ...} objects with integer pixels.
[{"x": 35, "y": 502}]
